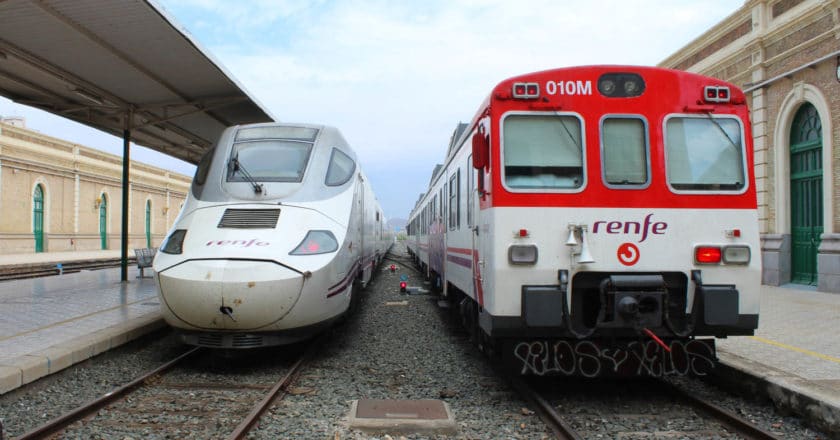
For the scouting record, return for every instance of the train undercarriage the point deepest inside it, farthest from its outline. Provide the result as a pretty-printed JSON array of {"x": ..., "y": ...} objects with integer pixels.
[{"x": 616, "y": 325}]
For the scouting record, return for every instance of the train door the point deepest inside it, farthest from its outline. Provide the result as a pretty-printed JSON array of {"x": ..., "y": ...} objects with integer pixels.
[{"x": 472, "y": 224}]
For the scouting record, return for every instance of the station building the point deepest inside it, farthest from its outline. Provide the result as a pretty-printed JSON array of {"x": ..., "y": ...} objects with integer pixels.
[
  {"x": 59, "y": 196},
  {"x": 785, "y": 54}
]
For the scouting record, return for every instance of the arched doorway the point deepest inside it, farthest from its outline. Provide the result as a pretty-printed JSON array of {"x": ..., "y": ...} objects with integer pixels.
[
  {"x": 103, "y": 220},
  {"x": 148, "y": 223},
  {"x": 806, "y": 193},
  {"x": 38, "y": 217}
]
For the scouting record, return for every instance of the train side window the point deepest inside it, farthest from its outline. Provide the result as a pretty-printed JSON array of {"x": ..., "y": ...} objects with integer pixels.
[
  {"x": 453, "y": 201},
  {"x": 542, "y": 151},
  {"x": 442, "y": 211},
  {"x": 340, "y": 169},
  {"x": 470, "y": 190},
  {"x": 203, "y": 168},
  {"x": 624, "y": 151},
  {"x": 705, "y": 153}
]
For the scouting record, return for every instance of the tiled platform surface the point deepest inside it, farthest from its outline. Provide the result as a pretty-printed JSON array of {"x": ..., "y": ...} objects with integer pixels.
[
  {"x": 794, "y": 356},
  {"x": 50, "y": 323}
]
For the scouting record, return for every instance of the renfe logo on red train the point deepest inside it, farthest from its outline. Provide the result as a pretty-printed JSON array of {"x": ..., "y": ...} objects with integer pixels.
[{"x": 630, "y": 228}]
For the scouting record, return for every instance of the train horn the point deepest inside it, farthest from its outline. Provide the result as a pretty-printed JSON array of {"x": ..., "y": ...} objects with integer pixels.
[
  {"x": 585, "y": 255},
  {"x": 571, "y": 241}
]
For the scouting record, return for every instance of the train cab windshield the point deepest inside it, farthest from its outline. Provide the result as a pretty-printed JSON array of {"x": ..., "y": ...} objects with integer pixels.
[
  {"x": 271, "y": 154},
  {"x": 704, "y": 153},
  {"x": 542, "y": 152},
  {"x": 269, "y": 161},
  {"x": 275, "y": 162}
]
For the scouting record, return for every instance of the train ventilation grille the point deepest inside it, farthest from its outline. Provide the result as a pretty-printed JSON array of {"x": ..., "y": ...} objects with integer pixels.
[
  {"x": 247, "y": 341},
  {"x": 210, "y": 340},
  {"x": 250, "y": 218},
  {"x": 229, "y": 341}
]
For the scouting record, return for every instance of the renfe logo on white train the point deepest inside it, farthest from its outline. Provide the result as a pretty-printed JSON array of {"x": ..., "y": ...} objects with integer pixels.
[
  {"x": 240, "y": 243},
  {"x": 630, "y": 228},
  {"x": 568, "y": 87}
]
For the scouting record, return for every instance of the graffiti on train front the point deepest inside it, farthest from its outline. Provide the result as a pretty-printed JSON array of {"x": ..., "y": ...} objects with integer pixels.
[{"x": 640, "y": 358}]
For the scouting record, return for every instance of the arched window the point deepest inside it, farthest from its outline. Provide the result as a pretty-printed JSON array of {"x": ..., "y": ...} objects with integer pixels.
[
  {"x": 148, "y": 223},
  {"x": 806, "y": 193},
  {"x": 103, "y": 220},
  {"x": 38, "y": 217}
]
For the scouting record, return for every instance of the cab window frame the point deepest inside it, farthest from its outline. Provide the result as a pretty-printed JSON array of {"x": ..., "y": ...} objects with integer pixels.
[{"x": 647, "y": 152}]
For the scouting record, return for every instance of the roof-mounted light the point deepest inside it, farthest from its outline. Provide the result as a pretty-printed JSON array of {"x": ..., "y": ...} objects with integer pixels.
[
  {"x": 621, "y": 85},
  {"x": 526, "y": 90},
  {"x": 716, "y": 94}
]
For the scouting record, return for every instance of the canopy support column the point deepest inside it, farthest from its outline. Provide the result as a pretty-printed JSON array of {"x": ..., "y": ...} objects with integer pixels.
[{"x": 125, "y": 186}]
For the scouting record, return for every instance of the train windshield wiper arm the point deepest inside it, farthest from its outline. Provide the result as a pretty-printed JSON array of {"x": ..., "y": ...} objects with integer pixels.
[
  {"x": 237, "y": 166},
  {"x": 725, "y": 134}
]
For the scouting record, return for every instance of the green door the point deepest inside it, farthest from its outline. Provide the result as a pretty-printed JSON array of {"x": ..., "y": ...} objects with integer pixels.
[
  {"x": 38, "y": 218},
  {"x": 103, "y": 223},
  {"x": 806, "y": 195},
  {"x": 148, "y": 223}
]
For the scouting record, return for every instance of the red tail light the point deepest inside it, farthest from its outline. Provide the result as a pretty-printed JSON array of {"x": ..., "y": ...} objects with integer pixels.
[
  {"x": 526, "y": 90},
  {"x": 716, "y": 94},
  {"x": 707, "y": 255}
]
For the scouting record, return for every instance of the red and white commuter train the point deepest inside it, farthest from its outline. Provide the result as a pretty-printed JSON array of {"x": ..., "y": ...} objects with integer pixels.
[
  {"x": 279, "y": 228},
  {"x": 598, "y": 220}
]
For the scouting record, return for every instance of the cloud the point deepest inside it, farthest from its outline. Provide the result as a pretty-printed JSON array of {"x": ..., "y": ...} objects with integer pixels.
[{"x": 397, "y": 76}]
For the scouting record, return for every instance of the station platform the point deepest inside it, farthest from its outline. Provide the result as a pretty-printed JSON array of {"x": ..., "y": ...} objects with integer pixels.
[
  {"x": 59, "y": 257},
  {"x": 794, "y": 356},
  {"x": 50, "y": 323}
]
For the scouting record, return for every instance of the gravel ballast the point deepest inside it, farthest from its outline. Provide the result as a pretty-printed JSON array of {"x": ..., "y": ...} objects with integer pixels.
[{"x": 395, "y": 346}]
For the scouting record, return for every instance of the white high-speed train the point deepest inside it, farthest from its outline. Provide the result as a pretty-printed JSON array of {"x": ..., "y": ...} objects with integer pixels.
[{"x": 279, "y": 227}]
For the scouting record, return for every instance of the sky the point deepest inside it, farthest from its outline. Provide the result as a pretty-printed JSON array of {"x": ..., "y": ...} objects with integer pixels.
[{"x": 395, "y": 77}]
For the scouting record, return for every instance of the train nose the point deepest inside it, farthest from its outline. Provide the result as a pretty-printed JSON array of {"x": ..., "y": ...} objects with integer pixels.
[{"x": 229, "y": 294}]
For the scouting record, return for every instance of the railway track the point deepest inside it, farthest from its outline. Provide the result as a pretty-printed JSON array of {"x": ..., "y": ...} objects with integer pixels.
[
  {"x": 35, "y": 270},
  {"x": 183, "y": 396},
  {"x": 650, "y": 409}
]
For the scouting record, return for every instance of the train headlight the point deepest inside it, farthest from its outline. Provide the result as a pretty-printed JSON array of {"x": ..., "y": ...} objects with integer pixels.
[
  {"x": 621, "y": 85},
  {"x": 175, "y": 242},
  {"x": 736, "y": 255},
  {"x": 316, "y": 242},
  {"x": 522, "y": 254}
]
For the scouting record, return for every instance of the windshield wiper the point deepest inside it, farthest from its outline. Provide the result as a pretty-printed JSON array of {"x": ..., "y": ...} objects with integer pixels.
[
  {"x": 725, "y": 134},
  {"x": 237, "y": 166},
  {"x": 568, "y": 132}
]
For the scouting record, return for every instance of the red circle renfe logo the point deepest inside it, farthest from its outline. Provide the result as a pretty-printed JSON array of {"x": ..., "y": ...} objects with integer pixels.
[{"x": 628, "y": 254}]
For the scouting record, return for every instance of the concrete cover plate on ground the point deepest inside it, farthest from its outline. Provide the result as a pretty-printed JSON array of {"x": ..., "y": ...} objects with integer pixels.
[{"x": 402, "y": 416}]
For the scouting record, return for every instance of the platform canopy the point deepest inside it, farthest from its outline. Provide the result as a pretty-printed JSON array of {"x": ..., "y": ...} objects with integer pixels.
[{"x": 119, "y": 65}]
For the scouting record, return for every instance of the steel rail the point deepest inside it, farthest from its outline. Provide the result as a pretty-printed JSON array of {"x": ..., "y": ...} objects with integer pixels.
[
  {"x": 547, "y": 413},
  {"x": 77, "y": 414},
  {"x": 728, "y": 418},
  {"x": 281, "y": 386}
]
